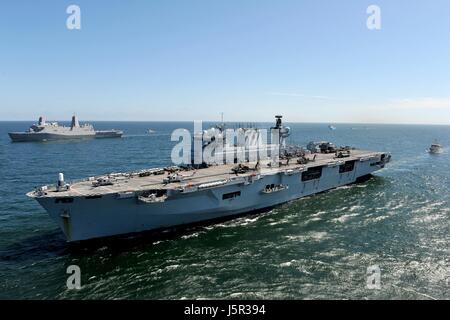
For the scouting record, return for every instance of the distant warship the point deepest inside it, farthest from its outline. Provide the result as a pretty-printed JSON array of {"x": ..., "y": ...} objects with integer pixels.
[
  {"x": 160, "y": 198},
  {"x": 43, "y": 131}
]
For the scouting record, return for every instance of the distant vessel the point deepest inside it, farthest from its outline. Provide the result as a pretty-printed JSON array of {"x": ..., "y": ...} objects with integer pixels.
[
  {"x": 435, "y": 148},
  {"x": 150, "y": 131},
  {"x": 159, "y": 198},
  {"x": 43, "y": 131},
  {"x": 331, "y": 127}
]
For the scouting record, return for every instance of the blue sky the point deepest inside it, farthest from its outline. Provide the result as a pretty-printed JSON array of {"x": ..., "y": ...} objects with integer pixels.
[{"x": 312, "y": 61}]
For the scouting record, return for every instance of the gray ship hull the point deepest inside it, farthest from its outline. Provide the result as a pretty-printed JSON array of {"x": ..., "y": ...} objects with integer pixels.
[
  {"x": 108, "y": 134},
  {"x": 88, "y": 217},
  {"x": 45, "y": 136}
]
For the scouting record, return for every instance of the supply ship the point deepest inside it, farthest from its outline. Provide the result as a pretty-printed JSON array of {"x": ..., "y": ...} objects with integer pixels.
[
  {"x": 161, "y": 198},
  {"x": 43, "y": 131}
]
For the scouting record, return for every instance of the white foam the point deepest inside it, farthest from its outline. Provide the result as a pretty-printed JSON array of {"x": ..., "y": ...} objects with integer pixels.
[{"x": 345, "y": 217}]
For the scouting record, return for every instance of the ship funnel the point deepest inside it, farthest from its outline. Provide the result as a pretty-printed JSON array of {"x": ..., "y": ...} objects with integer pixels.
[
  {"x": 75, "y": 123},
  {"x": 41, "y": 121}
]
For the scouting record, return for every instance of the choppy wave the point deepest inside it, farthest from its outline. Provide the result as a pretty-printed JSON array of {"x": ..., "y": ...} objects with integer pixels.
[{"x": 318, "y": 247}]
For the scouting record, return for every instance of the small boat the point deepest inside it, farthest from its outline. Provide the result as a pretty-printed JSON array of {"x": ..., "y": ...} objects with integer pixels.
[
  {"x": 435, "y": 148},
  {"x": 150, "y": 131},
  {"x": 331, "y": 127}
]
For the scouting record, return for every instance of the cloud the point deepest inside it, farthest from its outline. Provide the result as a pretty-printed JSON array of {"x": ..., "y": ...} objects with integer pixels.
[
  {"x": 301, "y": 95},
  {"x": 419, "y": 103}
]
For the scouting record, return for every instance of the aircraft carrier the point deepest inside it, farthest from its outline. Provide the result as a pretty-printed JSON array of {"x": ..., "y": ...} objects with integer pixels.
[
  {"x": 160, "y": 198},
  {"x": 43, "y": 131}
]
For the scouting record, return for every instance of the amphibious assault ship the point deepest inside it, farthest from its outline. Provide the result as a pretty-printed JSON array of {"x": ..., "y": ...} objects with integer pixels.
[
  {"x": 161, "y": 198},
  {"x": 43, "y": 131}
]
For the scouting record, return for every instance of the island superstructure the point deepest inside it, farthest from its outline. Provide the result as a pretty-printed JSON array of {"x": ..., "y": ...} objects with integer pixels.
[
  {"x": 48, "y": 131},
  {"x": 160, "y": 198}
]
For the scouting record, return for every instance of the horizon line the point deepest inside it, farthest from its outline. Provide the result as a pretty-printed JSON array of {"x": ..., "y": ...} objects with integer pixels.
[{"x": 244, "y": 121}]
